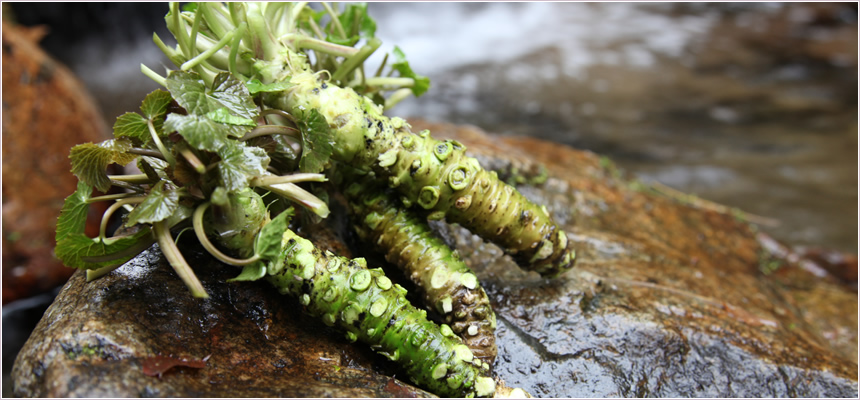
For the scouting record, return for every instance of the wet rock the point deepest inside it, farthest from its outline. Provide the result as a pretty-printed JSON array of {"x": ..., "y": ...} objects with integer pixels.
[
  {"x": 107, "y": 338},
  {"x": 668, "y": 299}
]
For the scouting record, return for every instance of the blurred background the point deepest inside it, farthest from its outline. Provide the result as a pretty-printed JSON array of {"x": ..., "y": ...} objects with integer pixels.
[{"x": 749, "y": 105}]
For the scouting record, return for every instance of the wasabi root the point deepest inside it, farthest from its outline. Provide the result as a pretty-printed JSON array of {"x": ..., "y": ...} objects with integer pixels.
[
  {"x": 449, "y": 287},
  {"x": 365, "y": 305}
]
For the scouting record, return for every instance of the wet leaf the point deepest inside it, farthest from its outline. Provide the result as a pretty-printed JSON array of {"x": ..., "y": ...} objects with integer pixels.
[
  {"x": 317, "y": 143},
  {"x": 231, "y": 93},
  {"x": 133, "y": 125},
  {"x": 222, "y": 115},
  {"x": 191, "y": 93},
  {"x": 73, "y": 246},
  {"x": 158, "y": 206},
  {"x": 155, "y": 104},
  {"x": 74, "y": 249},
  {"x": 255, "y": 86},
  {"x": 189, "y": 90},
  {"x": 268, "y": 244},
  {"x": 203, "y": 133},
  {"x": 251, "y": 272},
  {"x": 239, "y": 164},
  {"x": 73, "y": 216},
  {"x": 89, "y": 161}
]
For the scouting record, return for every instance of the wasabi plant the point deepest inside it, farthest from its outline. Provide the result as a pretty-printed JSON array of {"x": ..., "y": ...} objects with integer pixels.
[{"x": 267, "y": 96}]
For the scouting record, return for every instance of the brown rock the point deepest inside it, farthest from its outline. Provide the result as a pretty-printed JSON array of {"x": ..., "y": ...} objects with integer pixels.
[
  {"x": 46, "y": 111},
  {"x": 668, "y": 300}
]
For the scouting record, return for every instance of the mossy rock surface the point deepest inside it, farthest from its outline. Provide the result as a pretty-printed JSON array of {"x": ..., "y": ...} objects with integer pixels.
[{"x": 668, "y": 299}]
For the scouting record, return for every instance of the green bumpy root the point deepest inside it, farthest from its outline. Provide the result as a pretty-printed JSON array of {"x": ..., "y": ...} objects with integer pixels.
[
  {"x": 448, "y": 285},
  {"x": 438, "y": 177},
  {"x": 368, "y": 307},
  {"x": 434, "y": 175}
]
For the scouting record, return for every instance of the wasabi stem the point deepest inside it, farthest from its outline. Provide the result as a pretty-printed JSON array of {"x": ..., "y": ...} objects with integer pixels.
[
  {"x": 113, "y": 207},
  {"x": 309, "y": 43},
  {"x": 356, "y": 60},
  {"x": 174, "y": 257},
  {"x": 109, "y": 197},
  {"x": 293, "y": 178},
  {"x": 137, "y": 178},
  {"x": 208, "y": 53},
  {"x": 200, "y": 231},
  {"x": 292, "y": 192},
  {"x": 265, "y": 130},
  {"x": 147, "y": 152},
  {"x": 153, "y": 75},
  {"x": 193, "y": 160},
  {"x": 155, "y": 139}
]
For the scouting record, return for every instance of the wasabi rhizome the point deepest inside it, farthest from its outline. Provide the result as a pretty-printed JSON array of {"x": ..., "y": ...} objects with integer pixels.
[{"x": 271, "y": 95}]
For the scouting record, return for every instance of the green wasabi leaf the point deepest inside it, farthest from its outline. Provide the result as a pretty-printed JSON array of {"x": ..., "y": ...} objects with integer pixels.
[
  {"x": 422, "y": 83},
  {"x": 73, "y": 245},
  {"x": 356, "y": 21},
  {"x": 89, "y": 160},
  {"x": 222, "y": 115},
  {"x": 154, "y": 168},
  {"x": 190, "y": 7},
  {"x": 155, "y": 104},
  {"x": 240, "y": 163},
  {"x": 158, "y": 206},
  {"x": 73, "y": 216},
  {"x": 250, "y": 272},
  {"x": 76, "y": 250},
  {"x": 189, "y": 90},
  {"x": 132, "y": 125},
  {"x": 191, "y": 93},
  {"x": 203, "y": 133},
  {"x": 317, "y": 142},
  {"x": 232, "y": 94},
  {"x": 268, "y": 246},
  {"x": 255, "y": 86},
  {"x": 268, "y": 243}
]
